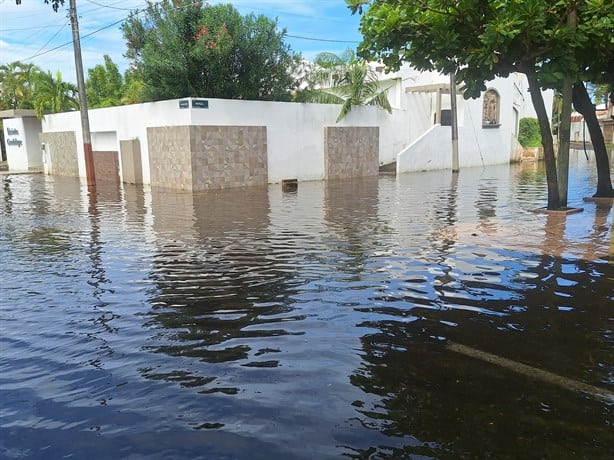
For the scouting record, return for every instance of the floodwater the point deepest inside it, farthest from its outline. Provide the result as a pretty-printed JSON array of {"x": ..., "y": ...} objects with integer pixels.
[{"x": 413, "y": 317}]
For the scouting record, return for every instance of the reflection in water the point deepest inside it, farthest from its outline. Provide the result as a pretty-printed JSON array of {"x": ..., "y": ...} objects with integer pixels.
[
  {"x": 8, "y": 195},
  {"x": 486, "y": 206},
  {"x": 545, "y": 311},
  {"x": 554, "y": 238},
  {"x": 217, "y": 283},
  {"x": 253, "y": 323}
]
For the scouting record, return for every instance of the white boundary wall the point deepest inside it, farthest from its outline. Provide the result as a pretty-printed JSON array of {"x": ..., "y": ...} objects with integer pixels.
[
  {"x": 295, "y": 131},
  {"x": 22, "y": 146}
]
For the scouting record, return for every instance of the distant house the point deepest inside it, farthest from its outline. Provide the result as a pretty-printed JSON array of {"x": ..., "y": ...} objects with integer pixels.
[
  {"x": 605, "y": 116},
  {"x": 488, "y": 126}
]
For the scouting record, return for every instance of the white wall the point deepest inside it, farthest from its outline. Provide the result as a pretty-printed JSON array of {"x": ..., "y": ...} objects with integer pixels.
[
  {"x": 22, "y": 145},
  {"x": 394, "y": 133},
  {"x": 104, "y": 141},
  {"x": 295, "y": 132},
  {"x": 127, "y": 122},
  {"x": 478, "y": 146}
]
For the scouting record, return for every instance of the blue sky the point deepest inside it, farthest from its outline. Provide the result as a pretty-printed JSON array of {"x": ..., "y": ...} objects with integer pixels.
[{"x": 32, "y": 32}]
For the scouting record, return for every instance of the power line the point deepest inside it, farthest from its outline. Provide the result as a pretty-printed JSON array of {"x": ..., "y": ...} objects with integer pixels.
[
  {"x": 48, "y": 26},
  {"x": 70, "y": 42},
  {"x": 52, "y": 37},
  {"x": 38, "y": 53},
  {"x": 110, "y": 6},
  {"x": 322, "y": 39}
]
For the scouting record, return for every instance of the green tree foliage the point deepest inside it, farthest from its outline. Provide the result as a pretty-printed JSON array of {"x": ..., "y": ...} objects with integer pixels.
[
  {"x": 528, "y": 132},
  {"x": 104, "y": 85},
  {"x": 482, "y": 39},
  {"x": 17, "y": 80},
  {"x": 599, "y": 92},
  {"x": 53, "y": 95},
  {"x": 134, "y": 87},
  {"x": 187, "y": 49},
  {"x": 26, "y": 86},
  {"x": 343, "y": 79}
]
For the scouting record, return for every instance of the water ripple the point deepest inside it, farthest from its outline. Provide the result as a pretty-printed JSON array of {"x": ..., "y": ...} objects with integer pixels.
[{"x": 255, "y": 323}]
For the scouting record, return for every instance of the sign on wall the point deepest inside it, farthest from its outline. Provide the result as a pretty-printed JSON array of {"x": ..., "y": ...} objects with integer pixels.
[
  {"x": 196, "y": 104},
  {"x": 200, "y": 104},
  {"x": 13, "y": 140}
]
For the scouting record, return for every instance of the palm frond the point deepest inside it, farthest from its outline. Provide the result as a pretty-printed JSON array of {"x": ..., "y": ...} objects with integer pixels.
[{"x": 345, "y": 80}]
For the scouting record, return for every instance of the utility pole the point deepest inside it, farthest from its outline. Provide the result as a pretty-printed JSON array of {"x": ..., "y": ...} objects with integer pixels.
[
  {"x": 85, "y": 121},
  {"x": 454, "y": 123}
]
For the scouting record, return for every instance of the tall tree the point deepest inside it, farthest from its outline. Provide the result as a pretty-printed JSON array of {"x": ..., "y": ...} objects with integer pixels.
[
  {"x": 17, "y": 82},
  {"x": 54, "y": 94},
  {"x": 104, "y": 84},
  {"x": 132, "y": 92},
  {"x": 583, "y": 105},
  {"x": 482, "y": 39},
  {"x": 26, "y": 86},
  {"x": 190, "y": 49},
  {"x": 596, "y": 64},
  {"x": 343, "y": 79}
]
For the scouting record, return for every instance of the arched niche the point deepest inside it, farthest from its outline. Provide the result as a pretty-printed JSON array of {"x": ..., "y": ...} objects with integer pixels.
[{"x": 491, "y": 109}]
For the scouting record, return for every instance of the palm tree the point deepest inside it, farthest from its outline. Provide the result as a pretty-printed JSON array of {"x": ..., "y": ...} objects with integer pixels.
[
  {"x": 347, "y": 81},
  {"x": 54, "y": 95},
  {"x": 17, "y": 80}
]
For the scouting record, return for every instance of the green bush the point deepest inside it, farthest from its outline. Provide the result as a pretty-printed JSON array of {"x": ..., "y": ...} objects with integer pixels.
[{"x": 528, "y": 133}]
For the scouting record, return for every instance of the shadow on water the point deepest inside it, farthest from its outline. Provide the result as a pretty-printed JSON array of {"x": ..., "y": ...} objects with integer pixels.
[
  {"x": 547, "y": 311},
  {"x": 460, "y": 407}
]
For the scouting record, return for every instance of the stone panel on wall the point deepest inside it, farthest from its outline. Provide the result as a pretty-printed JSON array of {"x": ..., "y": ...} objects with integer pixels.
[
  {"x": 170, "y": 159},
  {"x": 106, "y": 166},
  {"x": 351, "y": 151},
  {"x": 228, "y": 156},
  {"x": 132, "y": 169},
  {"x": 62, "y": 152}
]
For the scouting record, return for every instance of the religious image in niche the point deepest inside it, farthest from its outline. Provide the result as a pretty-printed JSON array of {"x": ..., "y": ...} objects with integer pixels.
[{"x": 490, "y": 113}]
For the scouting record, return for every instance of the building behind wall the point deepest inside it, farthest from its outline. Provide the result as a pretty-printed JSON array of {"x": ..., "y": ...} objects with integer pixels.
[
  {"x": 487, "y": 126},
  {"x": 605, "y": 116}
]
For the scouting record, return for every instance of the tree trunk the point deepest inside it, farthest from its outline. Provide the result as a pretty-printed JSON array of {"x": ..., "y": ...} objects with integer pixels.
[
  {"x": 562, "y": 159},
  {"x": 582, "y": 103},
  {"x": 554, "y": 201}
]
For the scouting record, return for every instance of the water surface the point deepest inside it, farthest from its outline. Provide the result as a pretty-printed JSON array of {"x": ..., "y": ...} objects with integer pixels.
[{"x": 251, "y": 323}]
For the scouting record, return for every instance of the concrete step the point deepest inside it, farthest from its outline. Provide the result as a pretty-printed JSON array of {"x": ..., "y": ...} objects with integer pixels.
[{"x": 389, "y": 168}]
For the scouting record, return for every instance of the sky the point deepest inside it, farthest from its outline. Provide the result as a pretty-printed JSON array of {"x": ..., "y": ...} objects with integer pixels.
[{"x": 32, "y": 32}]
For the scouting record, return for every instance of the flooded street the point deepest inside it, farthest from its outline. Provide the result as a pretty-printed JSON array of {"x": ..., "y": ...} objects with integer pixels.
[{"x": 413, "y": 317}]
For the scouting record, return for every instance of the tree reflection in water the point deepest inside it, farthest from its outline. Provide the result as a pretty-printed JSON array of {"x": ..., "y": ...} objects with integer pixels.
[{"x": 547, "y": 311}]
